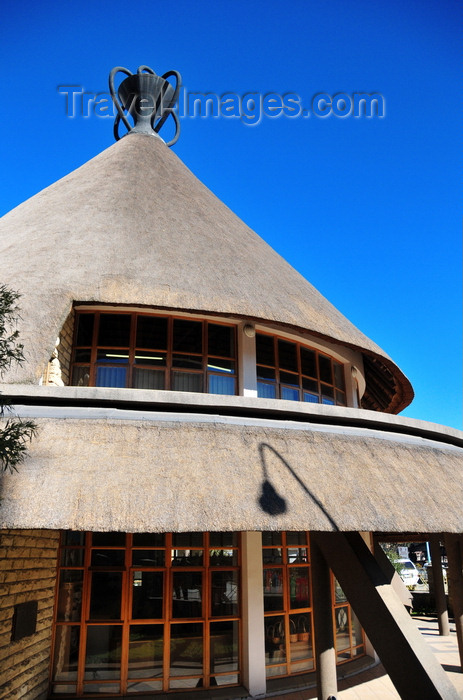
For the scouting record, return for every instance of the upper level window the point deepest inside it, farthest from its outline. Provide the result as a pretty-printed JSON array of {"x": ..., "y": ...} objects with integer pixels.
[
  {"x": 153, "y": 352},
  {"x": 287, "y": 370}
]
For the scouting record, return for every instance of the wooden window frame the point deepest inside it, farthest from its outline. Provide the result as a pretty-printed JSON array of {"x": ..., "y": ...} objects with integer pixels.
[
  {"x": 299, "y": 376},
  {"x": 287, "y": 611},
  {"x": 126, "y": 621},
  {"x": 132, "y": 348}
]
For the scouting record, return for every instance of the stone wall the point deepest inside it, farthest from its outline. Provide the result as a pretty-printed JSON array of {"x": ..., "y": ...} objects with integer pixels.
[{"x": 27, "y": 573}]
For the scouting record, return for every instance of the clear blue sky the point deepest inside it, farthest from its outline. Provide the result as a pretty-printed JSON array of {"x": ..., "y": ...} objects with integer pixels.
[{"x": 366, "y": 209}]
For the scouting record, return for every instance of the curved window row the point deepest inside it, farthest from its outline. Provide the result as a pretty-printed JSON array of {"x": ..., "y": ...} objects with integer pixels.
[
  {"x": 148, "y": 351},
  {"x": 154, "y": 352},
  {"x": 287, "y": 370}
]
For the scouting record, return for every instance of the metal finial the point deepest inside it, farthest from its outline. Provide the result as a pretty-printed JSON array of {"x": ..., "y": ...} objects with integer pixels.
[{"x": 148, "y": 98}]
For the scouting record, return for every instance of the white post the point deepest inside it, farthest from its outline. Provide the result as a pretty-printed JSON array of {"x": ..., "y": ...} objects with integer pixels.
[
  {"x": 247, "y": 360},
  {"x": 253, "y": 614}
]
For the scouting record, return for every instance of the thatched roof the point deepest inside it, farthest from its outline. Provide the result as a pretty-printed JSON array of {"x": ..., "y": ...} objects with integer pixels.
[
  {"x": 157, "y": 472},
  {"x": 134, "y": 226}
]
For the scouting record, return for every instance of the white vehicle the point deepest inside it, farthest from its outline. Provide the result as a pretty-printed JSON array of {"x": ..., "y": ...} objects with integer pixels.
[{"x": 408, "y": 572}]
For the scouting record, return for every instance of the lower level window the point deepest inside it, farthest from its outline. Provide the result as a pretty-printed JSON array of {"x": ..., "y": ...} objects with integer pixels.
[
  {"x": 146, "y": 613},
  {"x": 287, "y": 588}
]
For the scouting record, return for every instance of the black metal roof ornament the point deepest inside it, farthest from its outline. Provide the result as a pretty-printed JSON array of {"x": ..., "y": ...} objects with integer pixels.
[{"x": 148, "y": 98}]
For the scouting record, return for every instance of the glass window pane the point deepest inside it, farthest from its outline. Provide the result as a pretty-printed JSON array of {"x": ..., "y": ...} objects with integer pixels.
[
  {"x": 287, "y": 355},
  {"x": 105, "y": 601},
  {"x": 270, "y": 538},
  {"x": 148, "y": 539},
  {"x": 111, "y": 377},
  {"x": 289, "y": 394},
  {"x": 272, "y": 556},
  {"x": 219, "y": 384},
  {"x": 82, "y": 355},
  {"x": 339, "y": 595},
  {"x": 80, "y": 376},
  {"x": 299, "y": 596},
  {"x": 108, "y": 557},
  {"x": 114, "y": 330},
  {"x": 187, "y": 557},
  {"x": 296, "y": 538},
  {"x": 291, "y": 379},
  {"x": 297, "y": 555},
  {"x": 308, "y": 362},
  {"x": 221, "y": 340},
  {"x": 266, "y": 373},
  {"x": 148, "y": 379},
  {"x": 103, "y": 652},
  {"x": 187, "y": 381},
  {"x": 310, "y": 385},
  {"x": 266, "y": 391},
  {"x": 274, "y": 639},
  {"x": 187, "y": 336},
  {"x": 188, "y": 361},
  {"x": 216, "y": 364},
  {"x": 341, "y": 619},
  {"x": 340, "y": 398},
  {"x": 147, "y": 594},
  {"x": 300, "y": 637},
  {"x": 265, "y": 353},
  {"x": 151, "y": 332},
  {"x": 156, "y": 358},
  {"x": 144, "y": 686},
  {"x": 224, "y": 640},
  {"x": 70, "y": 596},
  {"x": 338, "y": 375},
  {"x": 108, "y": 539},
  {"x": 145, "y": 652},
  {"x": 223, "y": 539},
  {"x": 72, "y": 557},
  {"x": 223, "y": 557},
  {"x": 66, "y": 653},
  {"x": 187, "y": 539},
  {"x": 186, "y": 650},
  {"x": 324, "y": 364},
  {"x": 85, "y": 329},
  {"x": 273, "y": 589},
  {"x": 187, "y": 594},
  {"x": 148, "y": 557},
  {"x": 100, "y": 688},
  {"x": 224, "y": 593},
  {"x": 327, "y": 392},
  {"x": 72, "y": 538}
]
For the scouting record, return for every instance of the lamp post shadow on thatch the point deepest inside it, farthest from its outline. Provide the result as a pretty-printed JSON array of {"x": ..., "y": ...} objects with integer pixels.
[{"x": 270, "y": 501}]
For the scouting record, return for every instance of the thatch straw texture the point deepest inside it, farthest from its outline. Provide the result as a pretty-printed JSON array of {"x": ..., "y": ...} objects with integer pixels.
[
  {"x": 173, "y": 474},
  {"x": 135, "y": 226}
]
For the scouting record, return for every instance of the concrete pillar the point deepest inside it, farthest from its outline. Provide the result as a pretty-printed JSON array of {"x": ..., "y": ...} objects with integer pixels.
[
  {"x": 253, "y": 614},
  {"x": 247, "y": 362},
  {"x": 454, "y": 556},
  {"x": 439, "y": 590},
  {"x": 327, "y": 685}
]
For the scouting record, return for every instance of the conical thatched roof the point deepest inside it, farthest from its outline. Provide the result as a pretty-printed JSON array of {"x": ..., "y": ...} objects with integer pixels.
[{"x": 135, "y": 226}]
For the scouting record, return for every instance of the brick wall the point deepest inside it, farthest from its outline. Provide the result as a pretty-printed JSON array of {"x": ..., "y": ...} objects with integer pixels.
[
  {"x": 27, "y": 573},
  {"x": 57, "y": 372}
]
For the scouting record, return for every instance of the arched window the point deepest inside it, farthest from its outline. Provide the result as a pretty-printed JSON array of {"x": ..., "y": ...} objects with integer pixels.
[{"x": 148, "y": 351}]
